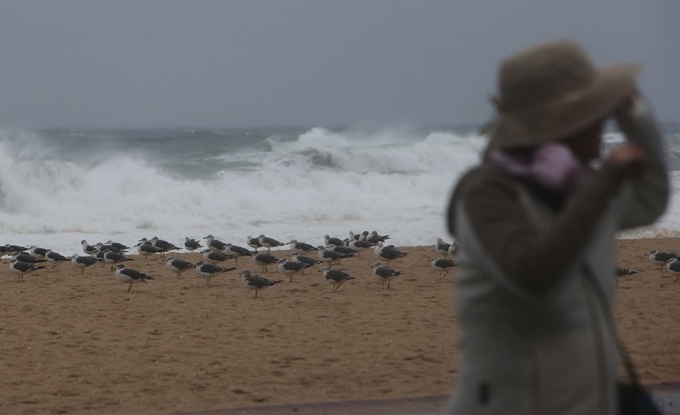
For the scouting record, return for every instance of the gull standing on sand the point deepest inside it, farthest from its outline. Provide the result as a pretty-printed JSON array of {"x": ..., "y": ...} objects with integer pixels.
[
  {"x": 305, "y": 261},
  {"x": 673, "y": 266},
  {"x": 268, "y": 242},
  {"x": 165, "y": 246},
  {"x": 300, "y": 247},
  {"x": 388, "y": 253},
  {"x": 384, "y": 274},
  {"x": 22, "y": 268},
  {"x": 335, "y": 277},
  {"x": 117, "y": 245},
  {"x": 290, "y": 268},
  {"x": 14, "y": 249},
  {"x": 329, "y": 256},
  {"x": 26, "y": 257},
  {"x": 191, "y": 244},
  {"x": 442, "y": 248},
  {"x": 374, "y": 238},
  {"x": 178, "y": 266},
  {"x": 660, "y": 258},
  {"x": 253, "y": 243},
  {"x": 209, "y": 270},
  {"x": 236, "y": 251},
  {"x": 129, "y": 276},
  {"x": 83, "y": 261},
  {"x": 213, "y": 257},
  {"x": 358, "y": 245},
  {"x": 443, "y": 265},
  {"x": 264, "y": 260},
  {"x": 55, "y": 257},
  {"x": 215, "y": 244},
  {"x": 37, "y": 253},
  {"x": 113, "y": 258},
  {"x": 255, "y": 282},
  {"x": 145, "y": 248},
  {"x": 329, "y": 241},
  {"x": 87, "y": 248}
]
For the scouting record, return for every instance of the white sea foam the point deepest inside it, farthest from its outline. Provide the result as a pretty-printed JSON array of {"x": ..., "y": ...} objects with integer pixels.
[
  {"x": 395, "y": 181},
  {"x": 322, "y": 183}
]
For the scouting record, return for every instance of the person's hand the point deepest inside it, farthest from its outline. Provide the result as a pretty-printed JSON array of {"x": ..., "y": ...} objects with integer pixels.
[{"x": 631, "y": 157}]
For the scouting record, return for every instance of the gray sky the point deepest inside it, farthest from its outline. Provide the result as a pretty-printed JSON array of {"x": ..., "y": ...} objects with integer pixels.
[{"x": 149, "y": 63}]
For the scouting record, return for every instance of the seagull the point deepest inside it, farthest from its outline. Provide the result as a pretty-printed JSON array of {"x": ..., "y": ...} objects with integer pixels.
[
  {"x": 673, "y": 266},
  {"x": 264, "y": 260},
  {"x": 11, "y": 249},
  {"x": 301, "y": 247},
  {"x": 364, "y": 236},
  {"x": 358, "y": 245},
  {"x": 442, "y": 248},
  {"x": 329, "y": 256},
  {"x": 213, "y": 257},
  {"x": 113, "y": 258},
  {"x": 268, "y": 242},
  {"x": 99, "y": 255},
  {"x": 453, "y": 248},
  {"x": 335, "y": 277},
  {"x": 87, "y": 248},
  {"x": 255, "y": 282},
  {"x": 117, "y": 245},
  {"x": 384, "y": 274},
  {"x": 354, "y": 236},
  {"x": 37, "y": 253},
  {"x": 106, "y": 248},
  {"x": 191, "y": 244},
  {"x": 55, "y": 257},
  {"x": 178, "y": 266},
  {"x": 305, "y": 260},
  {"x": 129, "y": 275},
  {"x": 209, "y": 270},
  {"x": 215, "y": 244},
  {"x": 348, "y": 252},
  {"x": 26, "y": 257},
  {"x": 165, "y": 246},
  {"x": 290, "y": 268},
  {"x": 328, "y": 241},
  {"x": 22, "y": 268},
  {"x": 236, "y": 251},
  {"x": 388, "y": 253},
  {"x": 83, "y": 261},
  {"x": 253, "y": 242},
  {"x": 660, "y": 258},
  {"x": 145, "y": 248},
  {"x": 374, "y": 238},
  {"x": 443, "y": 265}
]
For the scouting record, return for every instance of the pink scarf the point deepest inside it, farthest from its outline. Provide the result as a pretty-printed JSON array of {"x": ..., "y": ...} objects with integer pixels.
[{"x": 552, "y": 166}]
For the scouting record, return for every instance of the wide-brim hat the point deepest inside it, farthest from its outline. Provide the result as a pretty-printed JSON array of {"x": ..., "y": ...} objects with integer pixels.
[{"x": 551, "y": 91}]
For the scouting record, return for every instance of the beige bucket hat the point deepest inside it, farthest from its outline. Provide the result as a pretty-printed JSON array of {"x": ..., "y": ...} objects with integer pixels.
[{"x": 551, "y": 91}]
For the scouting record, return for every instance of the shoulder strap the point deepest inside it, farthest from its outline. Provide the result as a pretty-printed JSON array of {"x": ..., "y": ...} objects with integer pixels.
[{"x": 607, "y": 312}]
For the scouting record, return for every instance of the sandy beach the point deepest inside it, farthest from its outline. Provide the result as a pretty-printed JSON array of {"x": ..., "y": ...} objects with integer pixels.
[{"x": 81, "y": 344}]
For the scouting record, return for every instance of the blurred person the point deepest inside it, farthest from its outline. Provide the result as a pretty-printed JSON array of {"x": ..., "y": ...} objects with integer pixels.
[{"x": 537, "y": 224}]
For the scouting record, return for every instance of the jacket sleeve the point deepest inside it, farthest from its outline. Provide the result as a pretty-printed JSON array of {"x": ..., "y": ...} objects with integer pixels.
[
  {"x": 644, "y": 199},
  {"x": 536, "y": 259}
]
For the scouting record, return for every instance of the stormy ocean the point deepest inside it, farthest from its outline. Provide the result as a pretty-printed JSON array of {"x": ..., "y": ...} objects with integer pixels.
[{"x": 58, "y": 187}]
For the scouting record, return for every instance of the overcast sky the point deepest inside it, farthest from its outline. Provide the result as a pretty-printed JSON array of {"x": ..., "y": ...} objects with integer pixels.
[{"x": 210, "y": 63}]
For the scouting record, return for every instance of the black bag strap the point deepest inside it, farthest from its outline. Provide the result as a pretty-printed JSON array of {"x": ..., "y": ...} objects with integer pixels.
[{"x": 609, "y": 317}]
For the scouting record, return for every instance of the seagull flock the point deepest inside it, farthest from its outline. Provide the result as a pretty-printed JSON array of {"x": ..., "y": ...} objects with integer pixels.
[{"x": 216, "y": 253}]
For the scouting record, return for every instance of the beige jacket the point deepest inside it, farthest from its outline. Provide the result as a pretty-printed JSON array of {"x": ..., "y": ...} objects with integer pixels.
[{"x": 533, "y": 337}]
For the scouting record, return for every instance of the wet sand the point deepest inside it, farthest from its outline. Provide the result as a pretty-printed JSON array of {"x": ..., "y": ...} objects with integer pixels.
[{"x": 75, "y": 343}]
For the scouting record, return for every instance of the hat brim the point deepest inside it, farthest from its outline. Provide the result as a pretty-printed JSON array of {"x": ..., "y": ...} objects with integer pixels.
[{"x": 567, "y": 115}]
